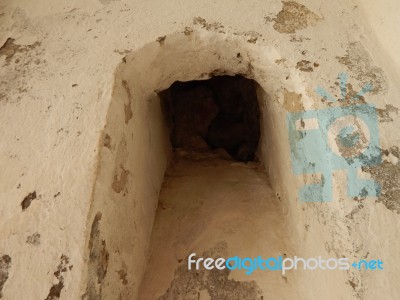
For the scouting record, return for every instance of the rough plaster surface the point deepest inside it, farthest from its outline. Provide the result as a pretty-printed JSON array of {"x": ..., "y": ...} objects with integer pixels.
[
  {"x": 218, "y": 208},
  {"x": 82, "y": 131}
]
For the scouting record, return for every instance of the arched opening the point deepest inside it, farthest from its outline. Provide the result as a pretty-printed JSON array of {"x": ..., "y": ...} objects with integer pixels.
[{"x": 137, "y": 151}]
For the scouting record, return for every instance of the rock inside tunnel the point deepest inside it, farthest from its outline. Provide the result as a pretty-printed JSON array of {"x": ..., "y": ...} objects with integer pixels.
[{"x": 219, "y": 113}]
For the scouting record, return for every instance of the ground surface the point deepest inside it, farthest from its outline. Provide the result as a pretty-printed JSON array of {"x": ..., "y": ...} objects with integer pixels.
[{"x": 216, "y": 208}]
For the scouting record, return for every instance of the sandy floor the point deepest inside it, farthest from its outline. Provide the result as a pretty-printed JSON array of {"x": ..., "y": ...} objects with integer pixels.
[{"x": 216, "y": 208}]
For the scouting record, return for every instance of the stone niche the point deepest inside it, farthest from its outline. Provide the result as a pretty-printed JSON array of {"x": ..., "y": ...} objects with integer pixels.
[{"x": 146, "y": 121}]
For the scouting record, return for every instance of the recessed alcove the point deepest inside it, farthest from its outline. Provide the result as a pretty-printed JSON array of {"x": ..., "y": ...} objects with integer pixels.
[{"x": 221, "y": 188}]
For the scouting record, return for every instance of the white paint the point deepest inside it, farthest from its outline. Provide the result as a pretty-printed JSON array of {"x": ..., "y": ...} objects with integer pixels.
[{"x": 53, "y": 133}]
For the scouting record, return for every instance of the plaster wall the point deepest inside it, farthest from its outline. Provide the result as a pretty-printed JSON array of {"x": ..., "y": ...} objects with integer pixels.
[
  {"x": 381, "y": 24},
  {"x": 81, "y": 126}
]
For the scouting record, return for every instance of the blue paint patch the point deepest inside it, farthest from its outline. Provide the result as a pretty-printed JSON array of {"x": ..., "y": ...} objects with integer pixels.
[{"x": 341, "y": 138}]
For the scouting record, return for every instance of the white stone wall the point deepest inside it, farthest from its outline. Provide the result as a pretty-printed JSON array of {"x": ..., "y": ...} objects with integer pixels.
[{"x": 81, "y": 126}]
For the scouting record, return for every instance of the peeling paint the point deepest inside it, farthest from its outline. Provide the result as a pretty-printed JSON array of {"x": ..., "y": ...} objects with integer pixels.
[
  {"x": 388, "y": 176},
  {"x": 294, "y": 16},
  {"x": 386, "y": 114},
  {"x": 305, "y": 66},
  {"x": 9, "y": 49},
  {"x": 55, "y": 290},
  {"x": 98, "y": 261},
  {"x": 292, "y": 102},
  {"x": 360, "y": 63},
  {"x": 5, "y": 264},
  {"x": 215, "y": 26}
]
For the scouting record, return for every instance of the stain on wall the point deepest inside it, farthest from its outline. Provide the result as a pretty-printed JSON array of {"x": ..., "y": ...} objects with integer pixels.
[
  {"x": 27, "y": 200},
  {"x": 5, "y": 264},
  {"x": 33, "y": 239},
  {"x": 107, "y": 141},
  {"x": 188, "y": 284},
  {"x": 98, "y": 261},
  {"x": 121, "y": 174},
  {"x": 128, "y": 107},
  {"x": 55, "y": 290},
  {"x": 161, "y": 40},
  {"x": 188, "y": 31},
  {"x": 123, "y": 274},
  {"x": 119, "y": 183},
  {"x": 294, "y": 16}
]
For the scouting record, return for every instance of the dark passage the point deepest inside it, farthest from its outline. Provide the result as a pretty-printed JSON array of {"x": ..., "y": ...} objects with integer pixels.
[{"x": 221, "y": 112}]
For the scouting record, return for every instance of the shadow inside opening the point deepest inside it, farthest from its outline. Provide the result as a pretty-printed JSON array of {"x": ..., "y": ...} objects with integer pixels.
[{"x": 220, "y": 113}]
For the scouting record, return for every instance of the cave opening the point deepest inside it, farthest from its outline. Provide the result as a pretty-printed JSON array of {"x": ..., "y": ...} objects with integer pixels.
[{"x": 220, "y": 114}]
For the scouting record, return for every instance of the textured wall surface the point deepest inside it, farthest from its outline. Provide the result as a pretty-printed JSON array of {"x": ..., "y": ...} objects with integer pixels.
[{"x": 83, "y": 146}]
